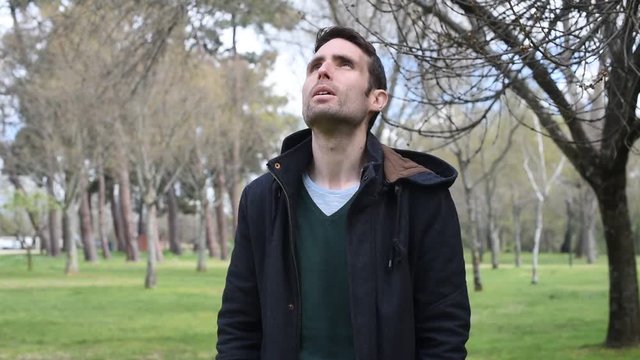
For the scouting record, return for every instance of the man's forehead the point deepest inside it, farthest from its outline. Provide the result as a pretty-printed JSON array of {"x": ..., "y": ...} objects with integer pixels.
[{"x": 337, "y": 47}]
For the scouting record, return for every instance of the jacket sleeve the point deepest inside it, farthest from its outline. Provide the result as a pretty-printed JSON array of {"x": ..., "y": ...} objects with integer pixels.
[
  {"x": 441, "y": 302},
  {"x": 239, "y": 319}
]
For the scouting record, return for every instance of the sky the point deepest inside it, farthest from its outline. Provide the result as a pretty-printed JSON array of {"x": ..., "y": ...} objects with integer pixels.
[{"x": 288, "y": 73}]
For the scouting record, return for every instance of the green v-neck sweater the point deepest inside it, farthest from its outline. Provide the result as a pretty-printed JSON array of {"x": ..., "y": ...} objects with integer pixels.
[{"x": 322, "y": 264}]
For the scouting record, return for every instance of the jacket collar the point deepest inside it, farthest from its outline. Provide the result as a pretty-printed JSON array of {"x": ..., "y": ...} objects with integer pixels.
[
  {"x": 296, "y": 156},
  {"x": 383, "y": 165}
]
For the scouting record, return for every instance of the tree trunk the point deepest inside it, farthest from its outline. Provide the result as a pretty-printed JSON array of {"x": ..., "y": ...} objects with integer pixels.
[
  {"x": 234, "y": 196},
  {"x": 151, "y": 279},
  {"x": 54, "y": 239},
  {"x": 220, "y": 218},
  {"x": 172, "y": 219},
  {"x": 142, "y": 225},
  {"x": 127, "y": 214},
  {"x": 102, "y": 230},
  {"x": 69, "y": 244},
  {"x": 591, "y": 243},
  {"x": 210, "y": 231},
  {"x": 568, "y": 229},
  {"x": 588, "y": 230},
  {"x": 153, "y": 235},
  {"x": 66, "y": 232},
  {"x": 536, "y": 241},
  {"x": 86, "y": 231},
  {"x": 517, "y": 236},
  {"x": 494, "y": 233},
  {"x": 29, "y": 259},
  {"x": 624, "y": 309},
  {"x": 116, "y": 217},
  {"x": 202, "y": 262},
  {"x": 159, "y": 247},
  {"x": 480, "y": 232},
  {"x": 38, "y": 229},
  {"x": 568, "y": 232},
  {"x": 475, "y": 238}
]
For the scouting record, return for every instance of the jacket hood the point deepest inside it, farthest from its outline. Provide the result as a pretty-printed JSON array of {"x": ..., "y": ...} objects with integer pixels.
[{"x": 399, "y": 165}]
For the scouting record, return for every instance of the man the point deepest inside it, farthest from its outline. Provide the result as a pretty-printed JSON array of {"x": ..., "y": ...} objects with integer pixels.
[{"x": 347, "y": 249}]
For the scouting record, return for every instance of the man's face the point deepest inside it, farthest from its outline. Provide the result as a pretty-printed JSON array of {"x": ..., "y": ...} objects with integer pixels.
[{"x": 334, "y": 90}]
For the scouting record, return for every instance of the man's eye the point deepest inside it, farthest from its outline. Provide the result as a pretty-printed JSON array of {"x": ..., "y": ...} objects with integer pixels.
[
  {"x": 314, "y": 67},
  {"x": 347, "y": 64}
]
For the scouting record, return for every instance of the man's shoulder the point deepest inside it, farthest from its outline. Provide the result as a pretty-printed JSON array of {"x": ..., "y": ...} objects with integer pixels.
[{"x": 261, "y": 185}]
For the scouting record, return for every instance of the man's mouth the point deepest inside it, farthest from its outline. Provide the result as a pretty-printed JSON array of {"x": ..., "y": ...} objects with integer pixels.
[{"x": 323, "y": 90}]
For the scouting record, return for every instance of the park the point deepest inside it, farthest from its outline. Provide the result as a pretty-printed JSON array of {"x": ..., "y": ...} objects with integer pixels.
[
  {"x": 128, "y": 131},
  {"x": 105, "y": 313}
]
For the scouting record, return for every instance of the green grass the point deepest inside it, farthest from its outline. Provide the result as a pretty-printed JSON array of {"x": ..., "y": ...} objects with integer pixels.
[{"x": 105, "y": 313}]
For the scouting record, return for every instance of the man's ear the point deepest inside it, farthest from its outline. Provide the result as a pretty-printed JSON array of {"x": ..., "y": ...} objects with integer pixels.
[{"x": 378, "y": 99}]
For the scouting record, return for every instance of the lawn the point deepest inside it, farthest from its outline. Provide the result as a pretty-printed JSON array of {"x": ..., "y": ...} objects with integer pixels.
[{"x": 105, "y": 313}]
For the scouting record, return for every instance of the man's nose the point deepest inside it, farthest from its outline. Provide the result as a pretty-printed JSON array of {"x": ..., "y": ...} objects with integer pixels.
[{"x": 324, "y": 71}]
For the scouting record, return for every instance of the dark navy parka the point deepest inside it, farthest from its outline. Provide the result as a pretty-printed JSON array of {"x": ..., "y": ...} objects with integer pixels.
[{"x": 407, "y": 288}]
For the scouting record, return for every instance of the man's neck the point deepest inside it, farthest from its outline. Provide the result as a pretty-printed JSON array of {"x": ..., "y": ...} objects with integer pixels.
[{"x": 337, "y": 158}]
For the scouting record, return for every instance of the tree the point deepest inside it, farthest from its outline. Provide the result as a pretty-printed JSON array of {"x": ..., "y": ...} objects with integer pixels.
[
  {"x": 541, "y": 188},
  {"x": 575, "y": 65},
  {"x": 12, "y": 218},
  {"x": 156, "y": 136}
]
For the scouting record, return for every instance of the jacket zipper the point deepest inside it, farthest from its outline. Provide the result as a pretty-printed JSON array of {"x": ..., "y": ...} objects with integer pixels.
[{"x": 295, "y": 265}]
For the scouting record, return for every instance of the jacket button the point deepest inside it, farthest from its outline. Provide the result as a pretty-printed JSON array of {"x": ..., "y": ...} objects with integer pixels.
[
  {"x": 290, "y": 307},
  {"x": 276, "y": 165}
]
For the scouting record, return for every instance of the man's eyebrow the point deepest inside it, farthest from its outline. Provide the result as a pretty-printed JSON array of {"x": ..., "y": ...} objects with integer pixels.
[
  {"x": 343, "y": 58},
  {"x": 339, "y": 57},
  {"x": 315, "y": 60}
]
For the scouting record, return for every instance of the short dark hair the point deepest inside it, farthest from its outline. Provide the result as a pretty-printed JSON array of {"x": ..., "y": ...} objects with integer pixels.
[{"x": 377, "y": 77}]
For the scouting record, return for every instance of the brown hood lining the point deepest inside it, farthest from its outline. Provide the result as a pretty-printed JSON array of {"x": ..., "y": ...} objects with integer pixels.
[{"x": 396, "y": 166}]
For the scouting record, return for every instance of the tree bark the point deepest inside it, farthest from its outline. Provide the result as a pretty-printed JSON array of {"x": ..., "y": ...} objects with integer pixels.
[
  {"x": 153, "y": 235},
  {"x": 475, "y": 239},
  {"x": 159, "y": 247},
  {"x": 66, "y": 232},
  {"x": 536, "y": 241},
  {"x": 172, "y": 220},
  {"x": 86, "y": 230},
  {"x": 494, "y": 233},
  {"x": 210, "y": 231},
  {"x": 624, "y": 312},
  {"x": 116, "y": 217},
  {"x": 151, "y": 278},
  {"x": 220, "y": 218},
  {"x": 71, "y": 266},
  {"x": 588, "y": 226},
  {"x": 517, "y": 238},
  {"x": 102, "y": 231},
  {"x": 202, "y": 262},
  {"x": 142, "y": 225},
  {"x": 127, "y": 214},
  {"x": 568, "y": 232},
  {"x": 54, "y": 239},
  {"x": 234, "y": 196},
  {"x": 592, "y": 250},
  {"x": 29, "y": 258}
]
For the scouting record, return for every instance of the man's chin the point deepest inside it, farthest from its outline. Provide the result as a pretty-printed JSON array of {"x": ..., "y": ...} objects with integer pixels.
[{"x": 330, "y": 122}]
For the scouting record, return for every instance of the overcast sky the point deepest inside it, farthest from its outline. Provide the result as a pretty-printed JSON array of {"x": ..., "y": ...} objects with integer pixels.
[{"x": 289, "y": 70}]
